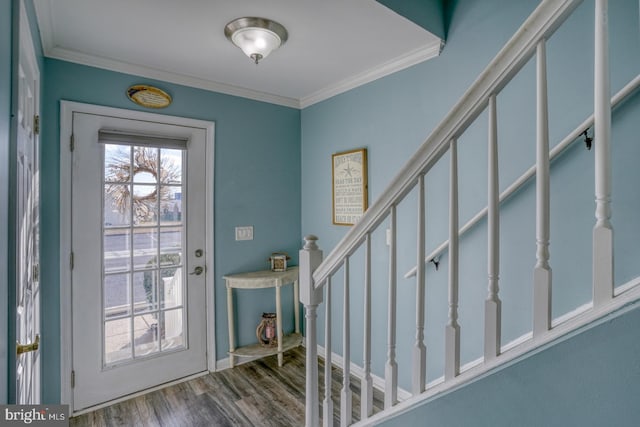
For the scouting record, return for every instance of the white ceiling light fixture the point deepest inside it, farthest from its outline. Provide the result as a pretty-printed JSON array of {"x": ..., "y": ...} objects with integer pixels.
[{"x": 257, "y": 37}]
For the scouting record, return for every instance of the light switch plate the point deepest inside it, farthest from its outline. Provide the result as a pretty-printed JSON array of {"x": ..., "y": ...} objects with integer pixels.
[{"x": 244, "y": 232}]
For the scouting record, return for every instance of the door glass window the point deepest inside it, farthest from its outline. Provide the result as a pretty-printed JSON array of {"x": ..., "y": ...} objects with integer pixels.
[{"x": 142, "y": 256}]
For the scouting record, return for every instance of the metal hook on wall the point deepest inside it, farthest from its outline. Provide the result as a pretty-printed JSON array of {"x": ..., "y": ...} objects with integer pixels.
[
  {"x": 435, "y": 261},
  {"x": 587, "y": 139}
]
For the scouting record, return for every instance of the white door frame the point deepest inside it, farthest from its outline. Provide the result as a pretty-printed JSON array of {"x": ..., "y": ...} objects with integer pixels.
[{"x": 67, "y": 108}]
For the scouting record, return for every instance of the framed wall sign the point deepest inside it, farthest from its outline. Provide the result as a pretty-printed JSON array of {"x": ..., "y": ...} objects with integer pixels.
[{"x": 349, "y": 186}]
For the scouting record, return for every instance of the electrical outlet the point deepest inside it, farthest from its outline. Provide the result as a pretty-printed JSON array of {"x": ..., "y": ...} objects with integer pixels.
[{"x": 244, "y": 233}]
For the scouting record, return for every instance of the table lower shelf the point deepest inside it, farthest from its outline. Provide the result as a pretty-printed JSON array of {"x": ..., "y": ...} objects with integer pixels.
[{"x": 290, "y": 341}]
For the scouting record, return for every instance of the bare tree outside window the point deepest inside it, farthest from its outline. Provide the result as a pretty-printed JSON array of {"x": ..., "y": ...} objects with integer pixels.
[{"x": 147, "y": 168}]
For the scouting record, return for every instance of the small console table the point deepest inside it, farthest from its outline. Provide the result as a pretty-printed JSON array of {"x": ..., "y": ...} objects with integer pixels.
[{"x": 261, "y": 280}]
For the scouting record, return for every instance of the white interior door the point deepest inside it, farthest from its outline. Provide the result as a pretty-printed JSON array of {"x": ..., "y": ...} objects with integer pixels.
[
  {"x": 138, "y": 241},
  {"x": 27, "y": 227}
]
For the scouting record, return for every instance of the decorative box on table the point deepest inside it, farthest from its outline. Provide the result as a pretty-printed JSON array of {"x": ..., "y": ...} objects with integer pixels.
[{"x": 279, "y": 261}]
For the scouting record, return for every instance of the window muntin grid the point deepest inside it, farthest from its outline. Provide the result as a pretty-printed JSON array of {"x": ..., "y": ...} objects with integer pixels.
[{"x": 143, "y": 278}]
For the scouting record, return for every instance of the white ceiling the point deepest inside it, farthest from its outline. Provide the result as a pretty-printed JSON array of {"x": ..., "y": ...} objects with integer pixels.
[{"x": 333, "y": 46}]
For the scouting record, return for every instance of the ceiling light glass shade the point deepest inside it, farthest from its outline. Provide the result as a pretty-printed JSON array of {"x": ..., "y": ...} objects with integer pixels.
[{"x": 257, "y": 37}]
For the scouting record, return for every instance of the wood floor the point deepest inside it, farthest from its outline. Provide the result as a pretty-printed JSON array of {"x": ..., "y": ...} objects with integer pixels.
[{"x": 258, "y": 393}]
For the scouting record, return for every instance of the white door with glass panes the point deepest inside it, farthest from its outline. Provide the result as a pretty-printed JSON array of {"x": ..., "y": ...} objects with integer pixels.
[{"x": 138, "y": 243}]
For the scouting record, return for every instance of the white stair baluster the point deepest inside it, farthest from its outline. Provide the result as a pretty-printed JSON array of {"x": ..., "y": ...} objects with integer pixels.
[
  {"x": 366, "y": 396},
  {"x": 419, "y": 349},
  {"x": 310, "y": 258},
  {"x": 327, "y": 406},
  {"x": 542, "y": 270},
  {"x": 493, "y": 305},
  {"x": 452, "y": 330},
  {"x": 603, "y": 230},
  {"x": 391, "y": 367},
  {"x": 345, "y": 394}
]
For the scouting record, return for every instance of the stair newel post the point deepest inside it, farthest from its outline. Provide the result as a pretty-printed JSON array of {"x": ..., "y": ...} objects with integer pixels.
[
  {"x": 327, "y": 406},
  {"x": 391, "y": 366},
  {"x": 452, "y": 330},
  {"x": 493, "y": 305},
  {"x": 366, "y": 397},
  {"x": 542, "y": 270},
  {"x": 419, "y": 349},
  {"x": 310, "y": 257},
  {"x": 603, "y": 230}
]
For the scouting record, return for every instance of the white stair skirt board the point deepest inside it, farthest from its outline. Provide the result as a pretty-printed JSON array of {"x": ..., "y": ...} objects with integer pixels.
[{"x": 583, "y": 318}]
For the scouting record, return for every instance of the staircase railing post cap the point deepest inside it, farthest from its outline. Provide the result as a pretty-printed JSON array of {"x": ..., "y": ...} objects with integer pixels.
[{"x": 310, "y": 242}]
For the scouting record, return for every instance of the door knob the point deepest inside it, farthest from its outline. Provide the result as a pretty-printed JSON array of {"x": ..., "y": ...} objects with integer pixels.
[
  {"x": 25, "y": 348},
  {"x": 197, "y": 271}
]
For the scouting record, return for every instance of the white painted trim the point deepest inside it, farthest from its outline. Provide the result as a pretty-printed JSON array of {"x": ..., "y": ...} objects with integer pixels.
[
  {"x": 67, "y": 108},
  {"x": 177, "y": 78},
  {"x": 66, "y": 127},
  {"x": 407, "y": 60},
  {"x": 358, "y": 372},
  {"x": 619, "y": 290},
  {"x": 582, "y": 321},
  {"x": 210, "y": 283},
  {"x": 571, "y": 314},
  {"x": 400, "y": 63},
  {"x": 516, "y": 342}
]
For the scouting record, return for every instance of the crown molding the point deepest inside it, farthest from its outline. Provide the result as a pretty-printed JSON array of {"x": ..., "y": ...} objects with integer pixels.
[
  {"x": 399, "y": 63},
  {"x": 181, "y": 79}
]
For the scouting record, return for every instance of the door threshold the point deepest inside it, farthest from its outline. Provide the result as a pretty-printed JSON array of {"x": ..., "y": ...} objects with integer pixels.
[{"x": 138, "y": 393}]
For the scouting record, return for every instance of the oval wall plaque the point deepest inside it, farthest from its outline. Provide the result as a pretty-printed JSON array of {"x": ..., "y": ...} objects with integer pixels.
[{"x": 149, "y": 96}]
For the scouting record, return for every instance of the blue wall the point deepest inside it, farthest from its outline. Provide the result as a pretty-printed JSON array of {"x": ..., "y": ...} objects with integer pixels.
[
  {"x": 394, "y": 115},
  {"x": 390, "y": 117},
  {"x": 588, "y": 380},
  {"x": 257, "y": 182},
  {"x": 5, "y": 116}
]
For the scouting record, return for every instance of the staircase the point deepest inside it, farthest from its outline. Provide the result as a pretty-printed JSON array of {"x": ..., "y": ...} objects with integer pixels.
[{"x": 408, "y": 187}]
